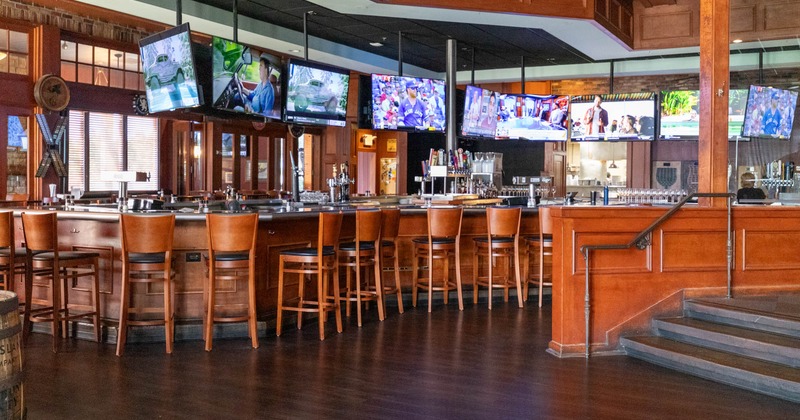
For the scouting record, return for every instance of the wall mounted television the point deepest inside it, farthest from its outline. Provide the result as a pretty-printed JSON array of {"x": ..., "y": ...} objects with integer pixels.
[
  {"x": 680, "y": 112},
  {"x": 533, "y": 117},
  {"x": 169, "y": 71},
  {"x": 245, "y": 80},
  {"x": 769, "y": 113},
  {"x": 408, "y": 103},
  {"x": 621, "y": 117},
  {"x": 316, "y": 94},
  {"x": 480, "y": 113}
]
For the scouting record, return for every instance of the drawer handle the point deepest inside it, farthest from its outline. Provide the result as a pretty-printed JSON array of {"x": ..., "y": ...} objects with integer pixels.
[
  {"x": 73, "y": 230},
  {"x": 271, "y": 232}
]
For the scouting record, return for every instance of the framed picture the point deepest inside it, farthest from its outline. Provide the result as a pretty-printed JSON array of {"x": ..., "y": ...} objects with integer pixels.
[
  {"x": 391, "y": 145},
  {"x": 262, "y": 169}
]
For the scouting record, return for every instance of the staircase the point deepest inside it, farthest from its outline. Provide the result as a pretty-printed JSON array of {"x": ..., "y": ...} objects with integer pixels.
[{"x": 723, "y": 341}]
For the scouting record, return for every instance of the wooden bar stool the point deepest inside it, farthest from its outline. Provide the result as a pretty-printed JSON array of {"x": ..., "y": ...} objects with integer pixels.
[
  {"x": 61, "y": 271},
  {"x": 390, "y": 253},
  {"x": 539, "y": 247},
  {"x": 146, "y": 259},
  {"x": 12, "y": 258},
  {"x": 501, "y": 241},
  {"x": 231, "y": 257},
  {"x": 363, "y": 253},
  {"x": 442, "y": 243},
  {"x": 319, "y": 260}
]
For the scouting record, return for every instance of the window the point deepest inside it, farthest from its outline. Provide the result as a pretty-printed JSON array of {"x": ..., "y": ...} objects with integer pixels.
[
  {"x": 100, "y": 142},
  {"x": 100, "y": 66},
  {"x": 13, "y": 52}
]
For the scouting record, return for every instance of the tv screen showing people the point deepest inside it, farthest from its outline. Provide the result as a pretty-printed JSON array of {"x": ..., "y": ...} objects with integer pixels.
[
  {"x": 168, "y": 70},
  {"x": 680, "y": 114},
  {"x": 316, "y": 94},
  {"x": 533, "y": 117},
  {"x": 245, "y": 80},
  {"x": 769, "y": 113},
  {"x": 480, "y": 113},
  {"x": 614, "y": 117},
  {"x": 408, "y": 103}
]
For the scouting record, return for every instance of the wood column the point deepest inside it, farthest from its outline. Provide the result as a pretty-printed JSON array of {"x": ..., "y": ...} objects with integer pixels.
[{"x": 714, "y": 84}]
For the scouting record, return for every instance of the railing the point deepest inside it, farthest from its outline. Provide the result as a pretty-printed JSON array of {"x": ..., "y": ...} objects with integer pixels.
[{"x": 642, "y": 241}]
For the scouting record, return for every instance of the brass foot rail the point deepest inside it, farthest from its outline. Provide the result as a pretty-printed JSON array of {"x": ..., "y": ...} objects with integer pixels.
[{"x": 642, "y": 241}]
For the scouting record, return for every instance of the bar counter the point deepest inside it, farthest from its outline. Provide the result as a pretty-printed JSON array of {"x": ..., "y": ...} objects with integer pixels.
[{"x": 280, "y": 228}]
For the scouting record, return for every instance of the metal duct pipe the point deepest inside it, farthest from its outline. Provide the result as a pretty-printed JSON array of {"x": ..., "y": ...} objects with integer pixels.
[
  {"x": 235, "y": 20},
  {"x": 451, "y": 81}
]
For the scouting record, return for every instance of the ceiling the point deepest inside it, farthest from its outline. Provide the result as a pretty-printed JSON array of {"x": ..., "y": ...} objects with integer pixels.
[{"x": 423, "y": 41}]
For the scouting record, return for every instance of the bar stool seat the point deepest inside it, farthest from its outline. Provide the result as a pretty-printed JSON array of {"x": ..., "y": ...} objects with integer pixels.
[
  {"x": 442, "y": 243},
  {"x": 146, "y": 259},
  {"x": 319, "y": 260},
  {"x": 59, "y": 270},
  {"x": 361, "y": 253},
  {"x": 231, "y": 257},
  {"x": 327, "y": 251},
  {"x": 501, "y": 242}
]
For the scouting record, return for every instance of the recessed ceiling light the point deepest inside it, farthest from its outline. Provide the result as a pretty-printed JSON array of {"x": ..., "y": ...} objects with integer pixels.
[
  {"x": 294, "y": 51},
  {"x": 737, "y": 41},
  {"x": 376, "y": 44}
]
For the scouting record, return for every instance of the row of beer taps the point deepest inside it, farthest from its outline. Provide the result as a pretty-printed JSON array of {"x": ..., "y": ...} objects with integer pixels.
[{"x": 339, "y": 184}]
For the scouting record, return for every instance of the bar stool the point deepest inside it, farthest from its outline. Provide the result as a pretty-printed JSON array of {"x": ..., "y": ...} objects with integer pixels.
[
  {"x": 442, "y": 243},
  {"x": 501, "y": 241},
  {"x": 319, "y": 260},
  {"x": 12, "y": 258},
  {"x": 57, "y": 268},
  {"x": 539, "y": 246},
  {"x": 231, "y": 257},
  {"x": 146, "y": 259},
  {"x": 390, "y": 253},
  {"x": 363, "y": 253}
]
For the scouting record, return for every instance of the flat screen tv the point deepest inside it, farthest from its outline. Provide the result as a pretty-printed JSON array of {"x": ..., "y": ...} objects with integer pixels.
[
  {"x": 480, "y": 113},
  {"x": 408, "y": 103},
  {"x": 245, "y": 80},
  {"x": 316, "y": 94},
  {"x": 769, "y": 113},
  {"x": 169, "y": 72},
  {"x": 614, "y": 117},
  {"x": 533, "y": 117},
  {"x": 680, "y": 114}
]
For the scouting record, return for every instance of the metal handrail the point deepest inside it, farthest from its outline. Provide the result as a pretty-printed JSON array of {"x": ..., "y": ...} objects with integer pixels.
[{"x": 642, "y": 241}]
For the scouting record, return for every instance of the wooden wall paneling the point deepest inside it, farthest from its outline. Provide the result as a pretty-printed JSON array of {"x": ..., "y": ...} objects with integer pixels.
[{"x": 690, "y": 258}]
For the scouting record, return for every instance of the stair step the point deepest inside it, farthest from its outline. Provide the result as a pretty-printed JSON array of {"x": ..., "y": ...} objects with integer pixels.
[
  {"x": 740, "y": 371},
  {"x": 722, "y": 313},
  {"x": 762, "y": 345}
]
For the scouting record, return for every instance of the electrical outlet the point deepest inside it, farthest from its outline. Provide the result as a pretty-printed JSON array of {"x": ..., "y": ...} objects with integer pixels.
[{"x": 192, "y": 257}]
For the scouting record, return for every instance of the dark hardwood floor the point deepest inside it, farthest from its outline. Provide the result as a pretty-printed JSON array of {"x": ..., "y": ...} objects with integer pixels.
[{"x": 474, "y": 364}]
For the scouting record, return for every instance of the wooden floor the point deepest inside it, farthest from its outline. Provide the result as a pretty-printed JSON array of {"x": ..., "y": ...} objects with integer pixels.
[{"x": 474, "y": 364}]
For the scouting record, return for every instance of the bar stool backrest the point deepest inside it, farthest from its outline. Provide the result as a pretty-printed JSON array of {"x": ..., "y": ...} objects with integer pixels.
[
  {"x": 368, "y": 225},
  {"x": 545, "y": 221},
  {"x": 147, "y": 234},
  {"x": 232, "y": 232},
  {"x": 7, "y": 231},
  {"x": 444, "y": 222},
  {"x": 330, "y": 225},
  {"x": 503, "y": 221},
  {"x": 41, "y": 231},
  {"x": 391, "y": 224}
]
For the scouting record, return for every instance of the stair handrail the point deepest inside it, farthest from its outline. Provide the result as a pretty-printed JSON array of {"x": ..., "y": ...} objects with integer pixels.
[{"x": 642, "y": 241}]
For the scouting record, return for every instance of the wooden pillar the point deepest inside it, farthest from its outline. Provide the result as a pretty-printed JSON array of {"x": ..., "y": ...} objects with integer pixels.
[{"x": 714, "y": 84}]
